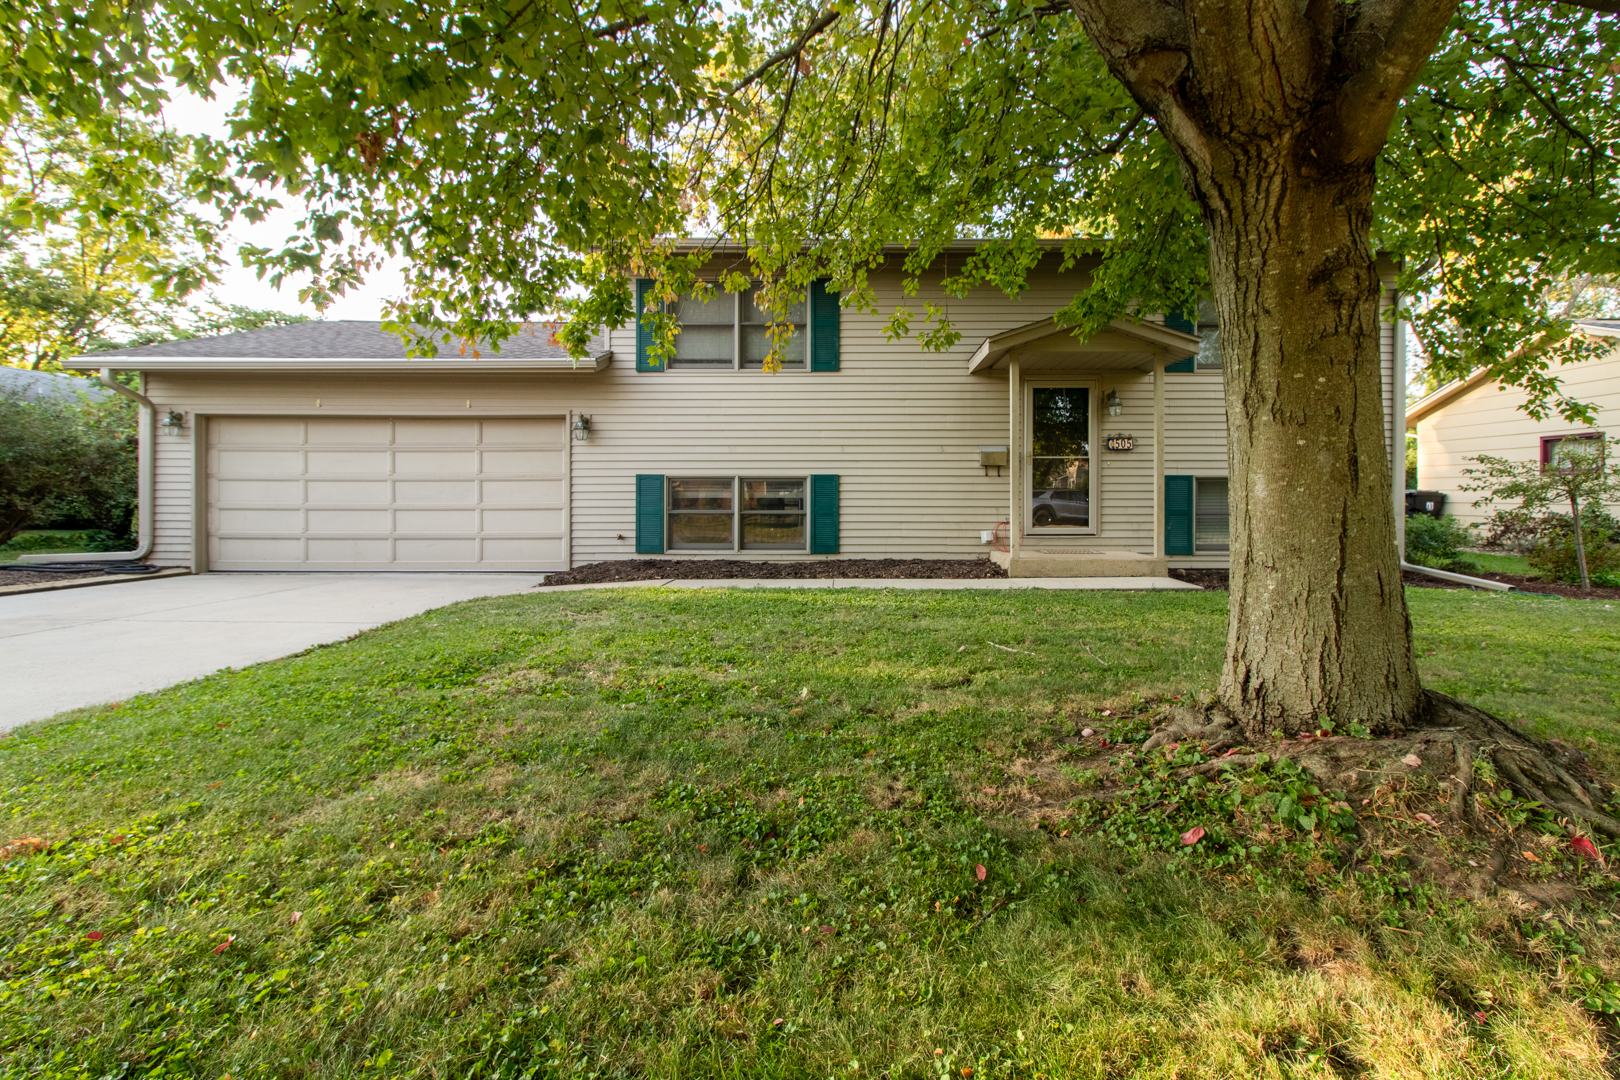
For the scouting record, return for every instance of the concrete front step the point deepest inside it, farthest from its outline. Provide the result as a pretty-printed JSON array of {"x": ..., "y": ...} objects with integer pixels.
[{"x": 1029, "y": 562}]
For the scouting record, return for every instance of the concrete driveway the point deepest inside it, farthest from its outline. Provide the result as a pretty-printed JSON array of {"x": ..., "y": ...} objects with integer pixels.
[{"x": 62, "y": 650}]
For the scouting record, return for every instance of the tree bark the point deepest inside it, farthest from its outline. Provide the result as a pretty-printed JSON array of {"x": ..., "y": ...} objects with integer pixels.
[
  {"x": 1318, "y": 626},
  {"x": 1278, "y": 110}
]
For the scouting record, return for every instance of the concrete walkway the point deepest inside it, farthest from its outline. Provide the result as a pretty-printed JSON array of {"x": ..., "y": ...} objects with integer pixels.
[{"x": 62, "y": 650}]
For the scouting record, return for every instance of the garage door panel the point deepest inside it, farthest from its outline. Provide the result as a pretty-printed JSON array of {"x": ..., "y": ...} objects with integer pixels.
[
  {"x": 523, "y": 521},
  {"x": 435, "y": 433},
  {"x": 463, "y": 522},
  {"x": 547, "y": 434},
  {"x": 436, "y": 493},
  {"x": 252, "y": 464},
  {"x": 442, "y": 550},
  {"x": 336, "y": 493},
  {"x": 349, "y": 521},
  {"x": 347, "y": 463},
  {"x": 256, "y": 431},
  {"x": 523, "y": 493},
  {"x": 529, "y": 551},
  {"x": 348, "y": 550},
  {"x": 228, "y": 520},
  {"x": 258, "y": 549},
  {"x": 348, "y": 493},
  {"x": 257, "y": 492},
  {"x": 348, "y": 433},
  {"x": 420, "y": 463},
  {"x": 522, "y": 463}
]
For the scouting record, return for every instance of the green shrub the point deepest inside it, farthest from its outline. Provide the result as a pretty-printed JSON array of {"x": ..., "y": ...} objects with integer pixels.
[
  {"x": 1437, "y": 543},
  {"x": 1554, "y": 558}
]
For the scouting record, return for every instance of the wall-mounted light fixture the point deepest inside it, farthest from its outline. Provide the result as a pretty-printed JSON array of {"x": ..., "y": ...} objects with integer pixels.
[
  {"x": 172, "y": 423},
  {"x": 1113, "y": 404},
  {"x": 582, "y": 428}
]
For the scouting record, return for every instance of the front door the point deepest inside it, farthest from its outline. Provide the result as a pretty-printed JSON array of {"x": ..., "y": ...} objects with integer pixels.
[{"x": 1059, "y": 455}]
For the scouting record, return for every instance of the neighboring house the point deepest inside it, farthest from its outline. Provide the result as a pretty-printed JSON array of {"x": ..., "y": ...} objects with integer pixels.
[
  {"x": 48, "y": 385},
  {"x": 320, "y": 446},
  {"x": 1478, "y": 415}
]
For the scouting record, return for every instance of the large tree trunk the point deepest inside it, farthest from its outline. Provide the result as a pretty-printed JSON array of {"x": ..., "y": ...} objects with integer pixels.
[
  {"x": 1318, "y": 624},
  {"x": 1278, "y": 110}
]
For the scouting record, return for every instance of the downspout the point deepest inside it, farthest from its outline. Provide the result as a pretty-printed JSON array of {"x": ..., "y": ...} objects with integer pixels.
[
  {"x": 1397, "y": 471},
  {"x": 144, "y": 467}
]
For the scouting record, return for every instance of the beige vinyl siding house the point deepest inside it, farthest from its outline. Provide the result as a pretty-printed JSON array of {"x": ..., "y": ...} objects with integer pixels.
[
  {"x": 320, "y": 447},
  {"x": 1478, "y": 415}
]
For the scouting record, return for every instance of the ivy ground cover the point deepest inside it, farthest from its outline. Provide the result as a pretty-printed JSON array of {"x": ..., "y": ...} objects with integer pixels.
[{"x": 777, "y": 834}]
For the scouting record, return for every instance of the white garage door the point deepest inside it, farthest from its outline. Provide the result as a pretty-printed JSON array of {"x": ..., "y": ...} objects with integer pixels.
[{"x": 403, "y": 494}]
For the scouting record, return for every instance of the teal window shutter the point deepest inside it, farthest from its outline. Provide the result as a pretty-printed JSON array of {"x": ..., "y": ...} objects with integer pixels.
[
  {"x": 644, "y": 334},
  {"x": 824, "y": 515},
  {"x": 649, "y": 514},
  {"x": 1178, "y": 515},
  {"x": 823, "y": 330},
  {"x": 1175, "y": 320}
]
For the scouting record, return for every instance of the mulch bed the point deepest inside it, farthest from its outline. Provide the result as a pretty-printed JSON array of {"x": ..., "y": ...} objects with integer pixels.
[
  {"x": 708, "y": 569},
  {"x": 1218, "y": 579},
  {"x": 10, "y": 575}
]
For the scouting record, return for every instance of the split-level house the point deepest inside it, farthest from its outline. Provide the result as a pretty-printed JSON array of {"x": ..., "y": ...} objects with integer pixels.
[
  {"x": 1478, "y": 415},
  {"x": 321, "y": 446}
]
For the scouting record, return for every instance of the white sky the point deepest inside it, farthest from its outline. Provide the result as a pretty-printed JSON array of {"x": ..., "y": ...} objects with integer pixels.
[{"x": 193, "y": 115}]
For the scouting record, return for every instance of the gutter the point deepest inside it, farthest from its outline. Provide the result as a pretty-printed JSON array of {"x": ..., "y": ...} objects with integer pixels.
[
  {"x": 1459, "y": 579},
  {"x": 145, "y": 468}
]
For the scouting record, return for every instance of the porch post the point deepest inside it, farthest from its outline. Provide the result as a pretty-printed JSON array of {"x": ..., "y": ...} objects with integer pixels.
[
  {"x": 1015, "y": 458},
  {"x": 1158, "y": 457}
]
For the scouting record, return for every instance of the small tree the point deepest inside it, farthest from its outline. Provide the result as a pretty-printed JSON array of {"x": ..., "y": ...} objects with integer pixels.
[
  {"x": 71, "y": 456},
  {"x": 1581, "y": 473}
]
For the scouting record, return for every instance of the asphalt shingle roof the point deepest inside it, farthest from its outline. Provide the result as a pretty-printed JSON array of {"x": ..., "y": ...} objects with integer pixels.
[{"x": 339, "y": 339}]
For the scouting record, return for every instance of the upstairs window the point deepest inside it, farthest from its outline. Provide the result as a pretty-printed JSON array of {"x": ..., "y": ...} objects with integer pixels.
[{"x": 730, "y": 331}]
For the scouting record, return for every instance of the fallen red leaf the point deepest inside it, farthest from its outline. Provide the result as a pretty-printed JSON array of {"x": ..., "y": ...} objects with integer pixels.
[
  {"x": 224, "y": 945},
  {"x": 1427, "y": 820},
  {"x": 1585, "y": 847},
  {"x": 94, "y": 935},
  {"x": 297, "y": 917},
  {"x": 1192, "y": 836},
  {"x": 1530, "y": 855},
  {"x": 979, "y": 871}
]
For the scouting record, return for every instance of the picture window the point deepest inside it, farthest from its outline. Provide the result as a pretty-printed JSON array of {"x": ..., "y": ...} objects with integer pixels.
[{"x": 737, "y": 514}]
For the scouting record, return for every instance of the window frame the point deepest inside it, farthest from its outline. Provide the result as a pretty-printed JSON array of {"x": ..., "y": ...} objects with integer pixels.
[
  {"x": 1549, "y": 443},
  {"x": 737, "y": 482},
  {"x": 1093, "y": 458},
  {"x": 1209, "y": 549},
  {"x": 670, "y": 365}
]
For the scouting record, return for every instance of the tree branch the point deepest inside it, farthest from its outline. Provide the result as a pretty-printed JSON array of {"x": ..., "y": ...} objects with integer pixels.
[
  {"x": 790, "y": 51},
  {"x": 1605, "y": 7},
  {"x": 1366, "y": 103},
  {"x": 617, "y": 28}
]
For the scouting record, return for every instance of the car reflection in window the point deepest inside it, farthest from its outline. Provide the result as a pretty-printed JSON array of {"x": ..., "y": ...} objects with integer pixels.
[{"x": 1056, "y": 506}]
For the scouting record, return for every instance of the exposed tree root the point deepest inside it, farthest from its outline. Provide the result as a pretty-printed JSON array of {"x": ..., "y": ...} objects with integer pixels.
[{"x": 1547, "y": 772}]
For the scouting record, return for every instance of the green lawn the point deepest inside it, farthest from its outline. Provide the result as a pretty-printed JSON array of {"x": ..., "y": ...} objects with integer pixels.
[
  {"x": 39, "y": 540},
  {"x": 736, "y": 833},
  {"x": 1499, "y": 564}
]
